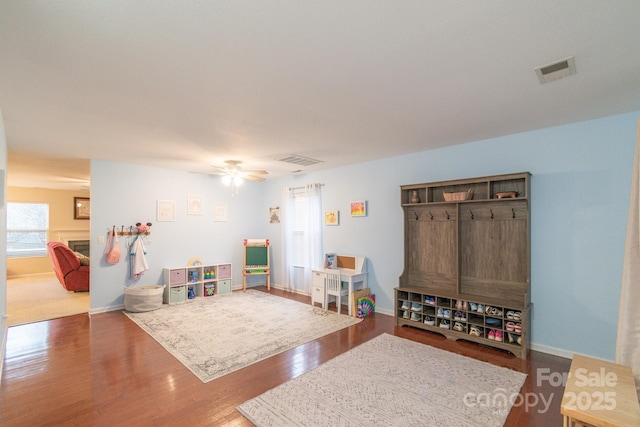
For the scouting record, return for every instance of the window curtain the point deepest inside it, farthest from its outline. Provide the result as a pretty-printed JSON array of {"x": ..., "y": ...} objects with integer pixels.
[
  {"x": 287, "y": 249},
  {"x": 312, "y": 233},
  {"x": 312, "y": 249},
  {"x": 628, "y": 339}
]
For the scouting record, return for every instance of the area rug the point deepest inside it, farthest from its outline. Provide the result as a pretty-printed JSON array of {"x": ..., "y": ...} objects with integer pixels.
[
  {"x": 217, "y": 335},
  {"x": 391, "y": 381}
]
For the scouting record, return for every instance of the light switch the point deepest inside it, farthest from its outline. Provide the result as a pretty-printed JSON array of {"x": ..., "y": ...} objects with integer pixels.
[{"x": 101, "y": 240}]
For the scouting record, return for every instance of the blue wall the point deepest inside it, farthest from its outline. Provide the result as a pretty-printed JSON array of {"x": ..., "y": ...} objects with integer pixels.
[{"x": 581, "y": 177}]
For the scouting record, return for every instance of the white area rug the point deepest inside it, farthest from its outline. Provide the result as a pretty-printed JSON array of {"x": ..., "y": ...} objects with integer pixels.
[
  {"x": 391, "y": 381},
  {"x": 217, "y": 335}
]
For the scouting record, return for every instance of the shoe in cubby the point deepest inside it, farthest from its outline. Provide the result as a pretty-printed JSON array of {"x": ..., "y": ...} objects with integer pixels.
[
  {"x": 458, "y": 327},
  {"x": 514, "y": 315},
  {"x": 416, "y": 306},
  {"x": 444, "y": 324},
  {"x": 429, "y": 300},
  {"x": 493, "y": 311},
  {"x": 431, "y": 321},
  {"x": 405, "y": 314},
  {"x": 405, "y": 305},
  {"x": 476, "y": 331},
  {"x": 415, "y": 317},
  {"x": 493, "y": 322}
]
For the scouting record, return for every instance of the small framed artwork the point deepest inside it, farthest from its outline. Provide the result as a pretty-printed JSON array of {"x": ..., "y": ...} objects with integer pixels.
[
  {"x": 81, "y": 208},
  {"x": 220, "y": 212},
  {"x": 274, "y": 215},
  {"x": 332, "y": 218},
  {"x": 359, "y": 208},
  {"x": 166, "y": 210},
  {"x": 194, "y": 205}
]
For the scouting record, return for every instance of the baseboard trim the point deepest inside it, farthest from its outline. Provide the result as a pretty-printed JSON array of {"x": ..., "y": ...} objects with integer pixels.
[
  {"x": 32, "y": 275},
  {"x": 106, "y": 309}
]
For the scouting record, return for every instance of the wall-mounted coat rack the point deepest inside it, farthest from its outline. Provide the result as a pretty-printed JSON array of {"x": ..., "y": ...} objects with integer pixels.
[{"x": 134, "y": 230}]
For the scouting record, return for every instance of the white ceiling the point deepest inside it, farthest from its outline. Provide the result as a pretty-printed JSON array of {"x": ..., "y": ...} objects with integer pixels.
[{"x": 187, "y": 84}]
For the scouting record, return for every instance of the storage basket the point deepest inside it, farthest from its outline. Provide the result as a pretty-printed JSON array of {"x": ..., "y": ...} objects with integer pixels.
[
  {"x": 143, "y": 298},
  {"x": 462, "y": 195}
]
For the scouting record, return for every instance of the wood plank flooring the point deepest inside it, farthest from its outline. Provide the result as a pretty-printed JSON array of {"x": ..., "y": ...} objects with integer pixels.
[{"x": 103, "y": 370}]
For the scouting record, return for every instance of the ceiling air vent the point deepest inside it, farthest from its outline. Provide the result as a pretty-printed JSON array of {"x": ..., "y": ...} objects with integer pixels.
[
  {"x": 557, "y": 70},
  {"x": 299, "y": 160}
]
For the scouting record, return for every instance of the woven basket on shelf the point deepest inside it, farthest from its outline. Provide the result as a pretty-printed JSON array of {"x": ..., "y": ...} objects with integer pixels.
[{"x": 462, "y": 195}]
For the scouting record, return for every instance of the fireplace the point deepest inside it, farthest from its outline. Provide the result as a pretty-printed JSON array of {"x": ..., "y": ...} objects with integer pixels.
[
  {"x": 81, "y": 246},
  {"x": 77, "y": 240}
]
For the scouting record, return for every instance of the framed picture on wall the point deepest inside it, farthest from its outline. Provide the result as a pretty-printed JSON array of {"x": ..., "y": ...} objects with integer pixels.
[
  {"x": 332, "y": 218},
  {"x": 359, "y": 208},
  {"x": 81, "y": 208},
  {"x": 166, "y": 210},
  {"x": 194, "y": 205}
]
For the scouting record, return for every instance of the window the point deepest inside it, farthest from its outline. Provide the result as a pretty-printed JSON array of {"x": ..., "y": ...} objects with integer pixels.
[
  {"x": 300, "y": 207},
  {"x": 27, "y": 227}
]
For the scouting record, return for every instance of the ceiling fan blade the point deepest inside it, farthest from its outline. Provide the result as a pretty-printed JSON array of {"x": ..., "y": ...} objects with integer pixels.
[
  {"x": 253, "y": 178},
  {"x": 258, "y": 171}
]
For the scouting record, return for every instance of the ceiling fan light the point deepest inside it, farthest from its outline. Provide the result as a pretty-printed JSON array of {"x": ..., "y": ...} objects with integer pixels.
[
  {"x": 226, "y": 180},
  {"x": 238, "y": 180}
]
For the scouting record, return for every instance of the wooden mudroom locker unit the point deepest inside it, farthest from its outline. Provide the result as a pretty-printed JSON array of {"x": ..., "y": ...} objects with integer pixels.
[{"x": 467, "y": 260}]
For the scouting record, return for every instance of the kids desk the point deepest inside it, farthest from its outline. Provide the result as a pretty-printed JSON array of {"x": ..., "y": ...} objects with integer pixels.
[{"x": 353, "y": 271}]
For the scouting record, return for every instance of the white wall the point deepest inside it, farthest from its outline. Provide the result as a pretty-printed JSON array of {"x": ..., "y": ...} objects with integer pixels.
[{"x": 580, "y": 185}]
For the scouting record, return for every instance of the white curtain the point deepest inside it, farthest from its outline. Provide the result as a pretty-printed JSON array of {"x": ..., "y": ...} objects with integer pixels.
[
  {"x": 628, "y": 340},
  {"x": 310, "y": 224},
  {"x": 312, "y": 232},
  {"x": 287, "y": 249}
]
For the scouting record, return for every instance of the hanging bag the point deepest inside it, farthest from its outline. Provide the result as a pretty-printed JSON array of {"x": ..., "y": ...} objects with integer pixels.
[{"x": 113, "y": 248}]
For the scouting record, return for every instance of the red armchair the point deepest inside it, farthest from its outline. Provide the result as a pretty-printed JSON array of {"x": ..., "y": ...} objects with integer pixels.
[{"x": 72, "y": 275}]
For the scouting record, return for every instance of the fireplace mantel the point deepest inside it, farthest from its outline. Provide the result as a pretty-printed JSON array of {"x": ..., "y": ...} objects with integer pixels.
[{"x": 65, "y": 236}]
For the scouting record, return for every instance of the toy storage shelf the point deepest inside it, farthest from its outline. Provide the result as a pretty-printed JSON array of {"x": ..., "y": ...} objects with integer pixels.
[
  {"x": 468, "y": 240},
  {"x": 187, "y": 283}
]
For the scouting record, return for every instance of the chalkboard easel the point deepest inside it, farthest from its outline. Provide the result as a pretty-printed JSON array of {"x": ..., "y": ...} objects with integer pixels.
[{"x": 256, "y": 261}]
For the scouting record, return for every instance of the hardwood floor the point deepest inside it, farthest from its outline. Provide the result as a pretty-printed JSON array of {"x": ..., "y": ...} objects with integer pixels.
[{"x": 104, "y": 370}]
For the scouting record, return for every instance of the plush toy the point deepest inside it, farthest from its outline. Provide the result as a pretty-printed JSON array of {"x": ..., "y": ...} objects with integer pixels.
[{"x": 143, "y": 228}]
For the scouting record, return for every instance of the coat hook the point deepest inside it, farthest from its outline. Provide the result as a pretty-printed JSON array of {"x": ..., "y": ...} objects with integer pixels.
[
  {"x": 430, "y": 214},
  {"x": 513, "y": 213},
  {"x": 416, "y": 214},
  {"x": 470, "y": 211},
  {"x": 447, "y": 212},
  {"x": 491, "y": 210},
  {"x": 122, "y": 229}
]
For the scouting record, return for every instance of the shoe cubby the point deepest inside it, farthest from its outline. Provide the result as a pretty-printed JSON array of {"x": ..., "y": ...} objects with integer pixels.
[{"x": 477, "y": 320}]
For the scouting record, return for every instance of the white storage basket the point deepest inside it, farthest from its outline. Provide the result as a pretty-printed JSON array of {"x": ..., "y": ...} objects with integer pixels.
[{"x": 143, "y": 298}]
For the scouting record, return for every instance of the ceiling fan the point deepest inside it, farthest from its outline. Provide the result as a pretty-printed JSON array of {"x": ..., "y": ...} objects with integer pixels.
[{"x": 233, "y": 173}]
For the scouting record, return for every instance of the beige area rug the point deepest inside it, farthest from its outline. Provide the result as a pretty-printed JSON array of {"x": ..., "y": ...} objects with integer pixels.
[
  {"x": 41, "y": 297},
  {"x": 218, "y": 335},
  {"x": 391, "y": 381}
]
